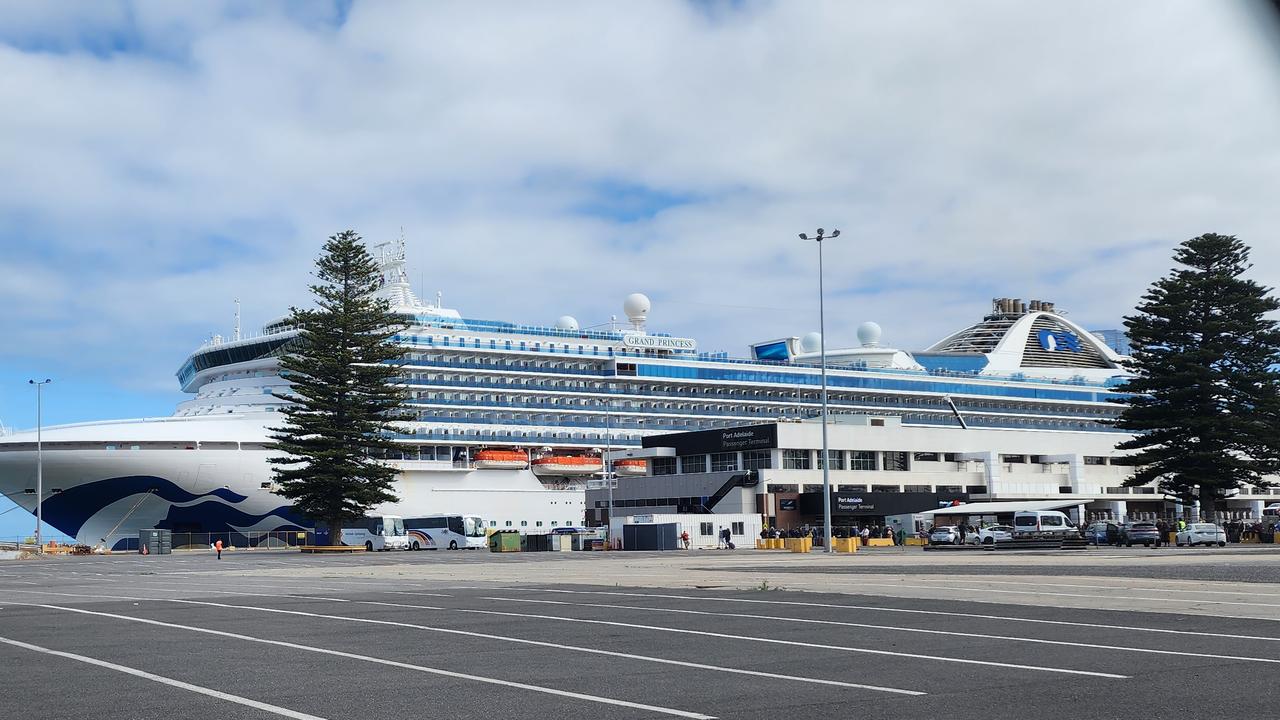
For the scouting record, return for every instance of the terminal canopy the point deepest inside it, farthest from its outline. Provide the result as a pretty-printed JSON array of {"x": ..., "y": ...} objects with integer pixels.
[{"x": 996, "y": 508}]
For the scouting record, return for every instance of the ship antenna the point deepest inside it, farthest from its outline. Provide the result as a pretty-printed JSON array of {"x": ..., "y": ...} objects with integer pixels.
[{"x": 236, "y": 335}]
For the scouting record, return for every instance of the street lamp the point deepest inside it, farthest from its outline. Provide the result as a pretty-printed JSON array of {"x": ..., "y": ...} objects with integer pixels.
[
  {"x": 822, "y": 352},
  {"x": 608, "y": 448},
  {"x": 39, "y": 459}
]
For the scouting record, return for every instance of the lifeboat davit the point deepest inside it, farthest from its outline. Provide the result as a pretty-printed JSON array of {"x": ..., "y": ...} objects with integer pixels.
[
  {"x": 567, "y": 465},
  {"x": 501, "y": 460},
  {"x": 631, "y": 466}
]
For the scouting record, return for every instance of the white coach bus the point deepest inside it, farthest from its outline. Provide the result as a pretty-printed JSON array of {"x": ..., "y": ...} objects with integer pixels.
[
  {"x": 455, "y": 532},
  {"x": 376, "y": 532}
]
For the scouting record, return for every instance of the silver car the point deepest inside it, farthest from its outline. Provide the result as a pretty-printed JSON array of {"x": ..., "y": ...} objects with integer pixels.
[{"x": 1201, "y": 534}]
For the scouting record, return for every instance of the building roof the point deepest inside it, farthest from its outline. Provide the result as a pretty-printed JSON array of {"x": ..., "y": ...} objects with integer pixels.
[{"x": 991, "y": 508}]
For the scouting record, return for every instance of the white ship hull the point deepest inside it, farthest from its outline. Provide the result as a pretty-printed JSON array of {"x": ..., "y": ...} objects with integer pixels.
[{"x": 212, "y": 475}]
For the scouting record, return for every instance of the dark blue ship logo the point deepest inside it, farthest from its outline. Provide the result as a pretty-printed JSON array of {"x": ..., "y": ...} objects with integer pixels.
[{"x": 1053, "y": 340}]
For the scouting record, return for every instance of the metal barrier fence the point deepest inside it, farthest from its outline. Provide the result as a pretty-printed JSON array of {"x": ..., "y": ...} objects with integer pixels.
[{"x": 239, "y": 540}]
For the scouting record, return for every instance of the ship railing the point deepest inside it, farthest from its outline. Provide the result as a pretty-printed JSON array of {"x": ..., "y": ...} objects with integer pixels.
[
  {"x": 778, "y": 407},
  {"x": 780, "y": 400},
  {"x": 623, "y": 354}
]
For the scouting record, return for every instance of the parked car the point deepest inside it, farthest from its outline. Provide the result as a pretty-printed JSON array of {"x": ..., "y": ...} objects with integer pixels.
[
  {"x": 1102, "y": 533},
  {"x": 1201, "y": 534},
  {"x": 1140, "y": 532},
  {"x": 991, "y": 535},
  {"x": 945, "y": 535},
  {"x": 1042, "y": 523}
]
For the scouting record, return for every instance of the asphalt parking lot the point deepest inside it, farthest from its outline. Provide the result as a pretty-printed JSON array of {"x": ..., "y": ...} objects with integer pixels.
[{"x": 442, "y": 635}]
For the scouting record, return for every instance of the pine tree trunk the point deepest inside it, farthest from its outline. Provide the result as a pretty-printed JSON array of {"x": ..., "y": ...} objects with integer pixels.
[{"x": 1208, "y": 503}]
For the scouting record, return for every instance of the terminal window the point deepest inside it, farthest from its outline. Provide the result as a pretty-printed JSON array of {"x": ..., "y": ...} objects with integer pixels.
[
  {"x": 693, "y": 464},
  {"x": 756, "y": 460},
  {"x": 795, "y": 460},
  {"x": 862, "y": 460},
  {"x": 721, "y": 462},
  {"x": 663, "y": 466},
  {"x": 895, "y": 461},
  {"x": 837, "y": 459}
]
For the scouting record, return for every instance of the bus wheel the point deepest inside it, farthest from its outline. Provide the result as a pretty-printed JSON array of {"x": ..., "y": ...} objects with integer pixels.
[
  {"x": 368, "y": 546},
  {"x": 453, "y": 544},
  {"x": 416, "y": 546}
]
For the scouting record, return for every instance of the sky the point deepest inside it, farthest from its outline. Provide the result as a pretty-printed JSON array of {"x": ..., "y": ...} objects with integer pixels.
[{"x": 161, "y": 160}]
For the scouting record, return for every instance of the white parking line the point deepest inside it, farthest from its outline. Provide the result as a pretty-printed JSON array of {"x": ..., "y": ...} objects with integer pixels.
[
  {"x": 775, "y": 641},
  {"x": 1094, "y": 596},
  {"x": 266, "y": 707},
  {"x": 381, "y": 661},
  {"x": 1116, "y": 587},
  {"x": 521, "y": 641},
  {"x": 911, "y": 611},
  {"x": 925, "y": 631},
  {"x": 594, "y": 651}
]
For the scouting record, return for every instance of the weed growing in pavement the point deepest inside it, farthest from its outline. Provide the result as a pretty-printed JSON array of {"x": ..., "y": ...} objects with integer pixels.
[{"x": 764, "y": 586}]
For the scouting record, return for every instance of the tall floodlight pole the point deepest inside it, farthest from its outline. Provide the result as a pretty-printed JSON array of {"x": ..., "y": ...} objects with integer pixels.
[
  {"x": 822, "y": 352},
  {"x": 39, "y": 460},
  {"x": 607, "y": 463}
]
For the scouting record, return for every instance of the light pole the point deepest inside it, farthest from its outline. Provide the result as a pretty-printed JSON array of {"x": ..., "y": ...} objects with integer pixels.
[
  {"x": 822, "y": 352},
  {"x": 39, "y": 459},
  {"x": 607, "y": 464}
]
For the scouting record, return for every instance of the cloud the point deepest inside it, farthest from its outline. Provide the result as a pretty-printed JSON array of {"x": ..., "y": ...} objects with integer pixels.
[{"x": 161, "y": 160}]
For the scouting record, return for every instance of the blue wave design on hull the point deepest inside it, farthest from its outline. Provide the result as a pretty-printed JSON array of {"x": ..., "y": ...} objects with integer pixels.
[{"x": 71, "y": 509}]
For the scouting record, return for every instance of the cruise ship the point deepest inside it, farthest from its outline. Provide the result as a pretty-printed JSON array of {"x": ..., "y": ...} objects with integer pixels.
[{"x": 511, "y": 422}]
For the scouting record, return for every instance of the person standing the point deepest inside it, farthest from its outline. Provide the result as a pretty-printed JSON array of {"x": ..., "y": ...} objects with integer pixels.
[
  {"x": 684, "y": 538},
  {"x": 1163, "y": 529},
  {"x": 217, "y": 546}
]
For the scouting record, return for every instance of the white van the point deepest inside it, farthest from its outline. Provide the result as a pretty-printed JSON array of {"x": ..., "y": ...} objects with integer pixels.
[{"x": 1042, "y": 522}]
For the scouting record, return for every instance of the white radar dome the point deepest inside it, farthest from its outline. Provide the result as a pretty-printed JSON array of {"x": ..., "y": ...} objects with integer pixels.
[
  {"x": 869, "y": 334},
  {"x": 636, "y": 308},
  {"x": 811, "y": 343},
  {"x": 567, "y": 322}
]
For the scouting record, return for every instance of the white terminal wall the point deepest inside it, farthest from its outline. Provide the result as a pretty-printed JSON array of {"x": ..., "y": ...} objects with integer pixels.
[
  {"x": 752, "y": 523},
  {"x": 981, "y": 449}
]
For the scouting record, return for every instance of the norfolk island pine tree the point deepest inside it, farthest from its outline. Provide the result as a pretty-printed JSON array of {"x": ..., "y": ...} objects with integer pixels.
[
  {"x": 1206, "y": 406},
  {"x": 342, "y": 400}
]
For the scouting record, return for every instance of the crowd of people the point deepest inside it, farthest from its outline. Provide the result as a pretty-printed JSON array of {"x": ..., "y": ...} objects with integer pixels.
[{"x": 865, "y": 532}]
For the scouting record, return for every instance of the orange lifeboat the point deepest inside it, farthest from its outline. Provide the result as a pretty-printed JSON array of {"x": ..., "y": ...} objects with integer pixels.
[
  {"x": 567, "y": 465},
  {"x": 631, "y": 466},
  {"x": 501, "y": 459}
]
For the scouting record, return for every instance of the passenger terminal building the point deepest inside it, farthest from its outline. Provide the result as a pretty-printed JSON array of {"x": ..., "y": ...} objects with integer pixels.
[{"x": 879, "y": 468}]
